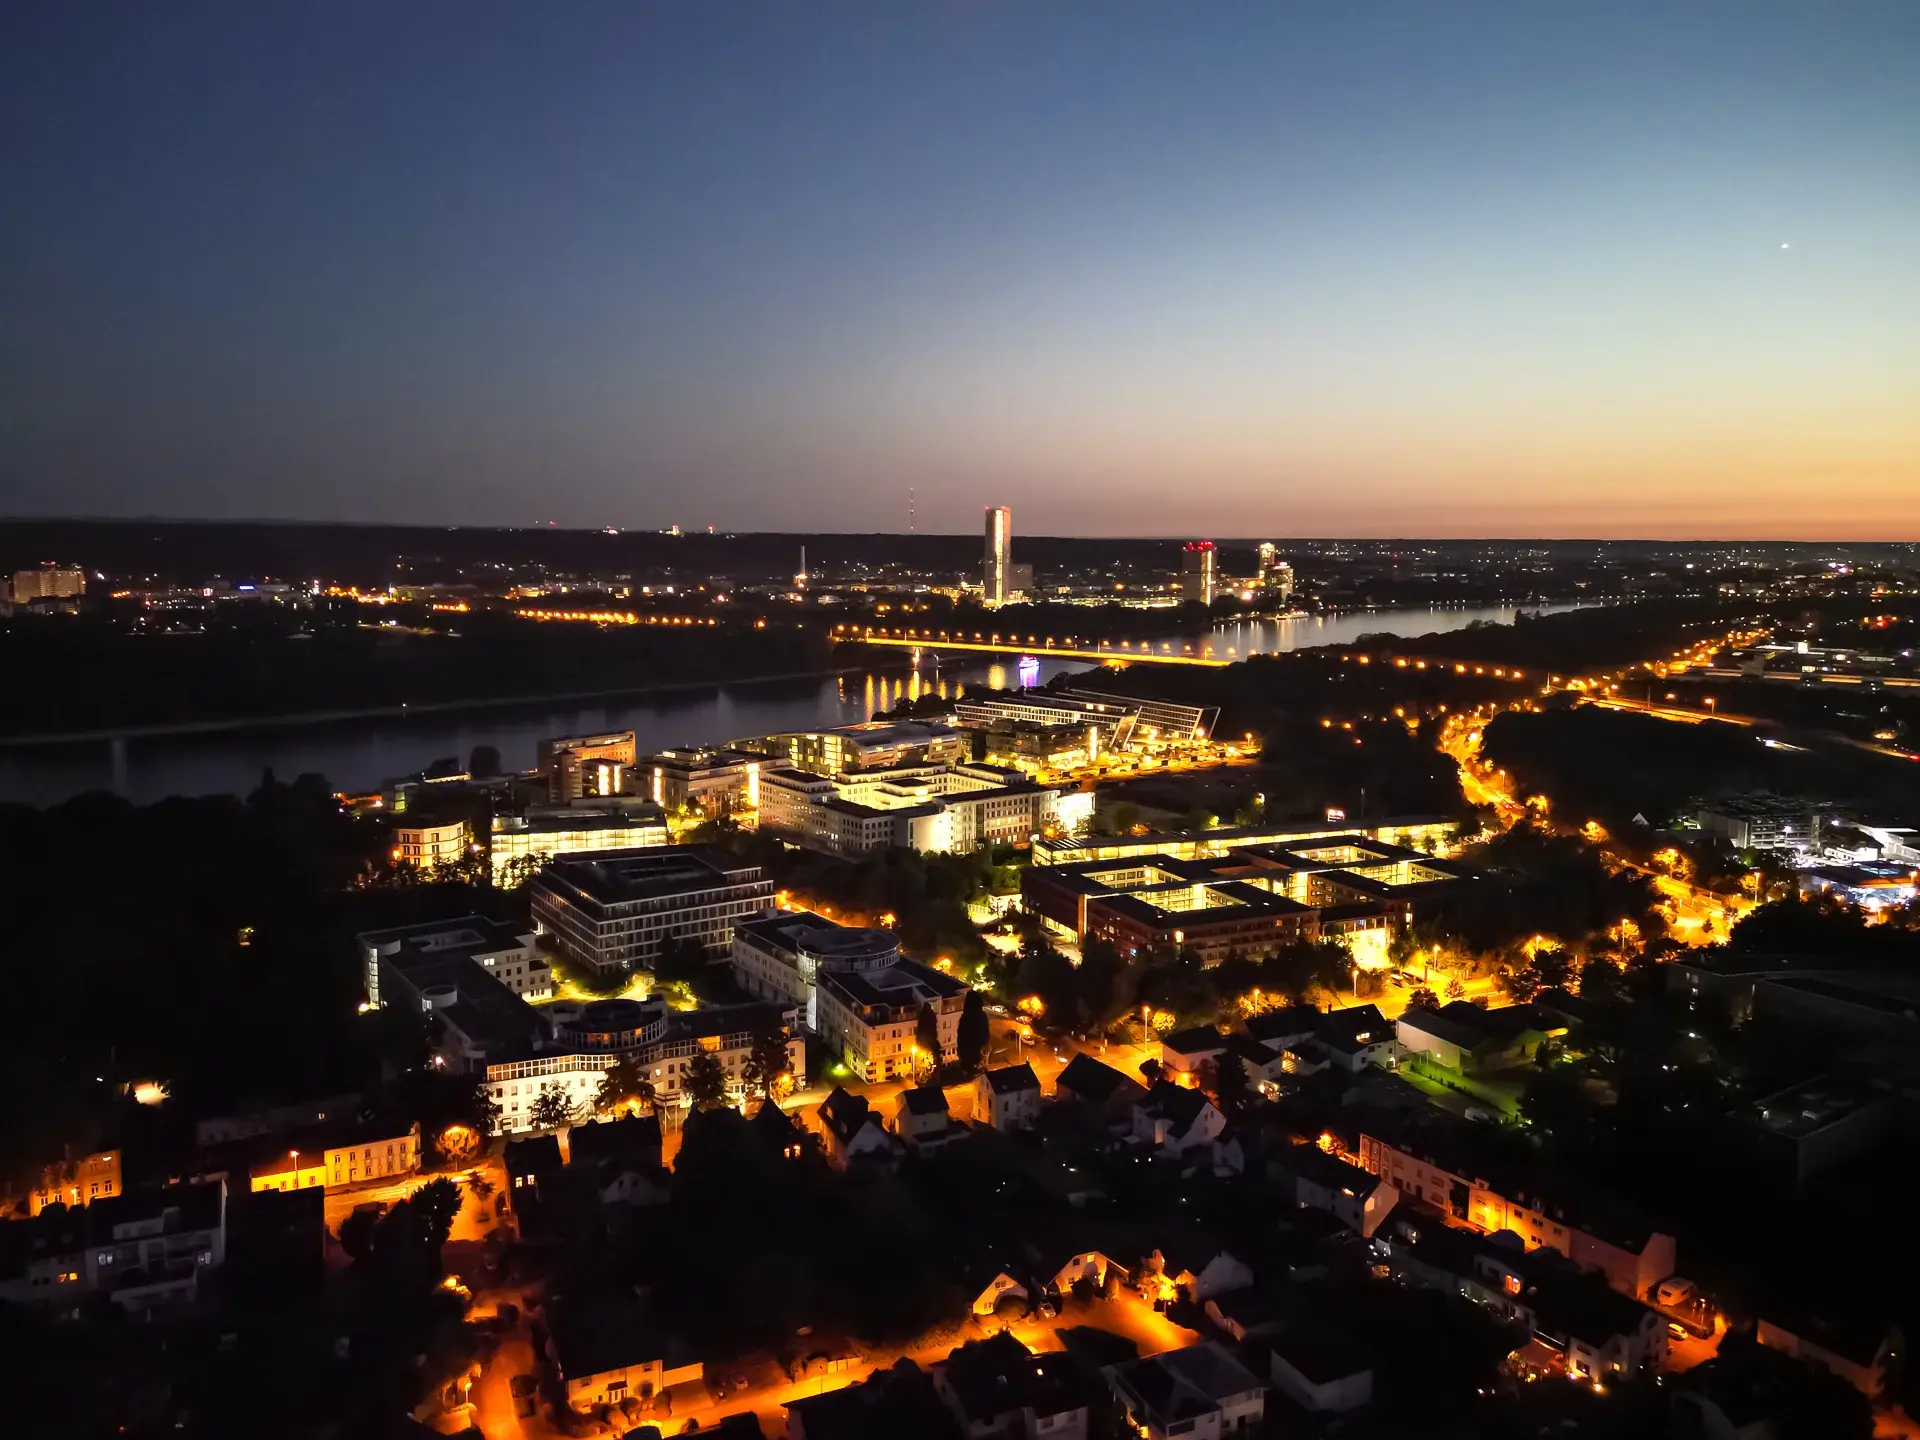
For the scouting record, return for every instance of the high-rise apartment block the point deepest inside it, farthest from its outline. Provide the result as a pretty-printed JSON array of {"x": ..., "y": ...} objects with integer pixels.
[
  {"x": 1275, "y": 575},
  {"x": 48, "y": 582},
  {"x": 1196, "y": 571}
]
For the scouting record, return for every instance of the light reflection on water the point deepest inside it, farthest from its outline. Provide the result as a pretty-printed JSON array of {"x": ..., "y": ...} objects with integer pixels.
[{"x": 359, "y": 754}]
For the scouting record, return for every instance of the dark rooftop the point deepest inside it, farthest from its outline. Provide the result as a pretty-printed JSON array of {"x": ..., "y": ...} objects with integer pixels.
[{"x": 1012, "y": 1079}]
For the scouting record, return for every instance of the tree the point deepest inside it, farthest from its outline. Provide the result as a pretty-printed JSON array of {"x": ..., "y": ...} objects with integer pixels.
[
  {"x": 926, "y": 1034},
  {"x": 484, "y": 763},
  {"x": 1600, "y": 979},
  {"x": 1226, "y": 1081},
  {"x": 437, "y": 1203},
  {"x": 551, "y": 1107},
  {"x": 625, "y": 1083},
  {"x": 706, "y": 1083},
  {"x": 766, "y": 1057},
  {"x": 682, "y": 961},
  {"x": 975, "y": 1034},
  {"x": 1552, "y": 967},
  {"x": 1421, "y": 995}
]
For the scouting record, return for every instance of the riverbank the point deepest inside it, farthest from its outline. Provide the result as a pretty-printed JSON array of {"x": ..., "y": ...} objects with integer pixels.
[{"x": 242, "y": 724}]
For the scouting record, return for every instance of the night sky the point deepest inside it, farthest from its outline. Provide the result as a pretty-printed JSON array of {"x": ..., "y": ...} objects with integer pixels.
[{"x": 1301, "y": 269}]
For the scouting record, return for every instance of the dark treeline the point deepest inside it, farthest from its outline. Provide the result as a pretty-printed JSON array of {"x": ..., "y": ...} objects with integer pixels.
[
  {"x": 1612, "y": 765},
  {"x": 86, "y": 676},
  {"x": 1575, "y": 642},
  {"x": 205, "y": 943}
]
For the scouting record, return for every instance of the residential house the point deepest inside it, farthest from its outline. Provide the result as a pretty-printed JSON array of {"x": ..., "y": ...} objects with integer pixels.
[
  {"x": 141, "y": 1249},
  {"x": 1059, "y": 1264},
  {"x": 622, "y": 1159},
  {"x": 1101, "y": 1088},
  {"x": 1318, "y": 1180},
  {"x": 899, "y": 1401},
  {"x": 1192, "y": 1261},
  {"x": 1241, "y": 1313},
  {"x": 1321, "y": 1369},
  {"x": 922, "y": 1120},
  {"x": 1264, "y": 1066},
  {"x": 1462, "y": 1036},
  {"x": 999, "y": 1390},
  {"x": 1176, "y": 1119},
  {"x": 1599, "y": 1331},
  {"x": 1185, "y": 1054},
  {"x": 1007, "y": 1098},
  {"x": 609, "y": 1348},
  {"x": 854, "y": 1130},
  {"x": 530, "y": 1164},
  {"x": 989, "y": 1283},
  {"x": 339, "y": 1155},
  {"x": 1440, "y": 1165},
  {"x": 76, "y": 1182},
  {"x": 1752, "y": 1395},
  {"x": 1860, "y": 1349},
  {"x": 1603, "y": 1334},
  {"x": 1200, "y": 1392},
  {"x": 1282, "y": 1027},
  {"x": 1355, "y": 1037},
  {"x": 779, "y": 1132}
]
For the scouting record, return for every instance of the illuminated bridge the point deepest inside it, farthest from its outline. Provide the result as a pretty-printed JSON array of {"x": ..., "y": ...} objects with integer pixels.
[{"x": 1068, "y": 647}]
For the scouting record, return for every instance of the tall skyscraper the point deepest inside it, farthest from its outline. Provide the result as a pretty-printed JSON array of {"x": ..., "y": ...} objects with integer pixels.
[
  {"x": 1276, "y": 575},
  {"x": 1196, "y": 571},
  {"x": 998, "y": 563}
]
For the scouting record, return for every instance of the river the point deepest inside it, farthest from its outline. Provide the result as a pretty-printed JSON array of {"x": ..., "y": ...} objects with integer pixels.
[{"x": 360, "y": 754}]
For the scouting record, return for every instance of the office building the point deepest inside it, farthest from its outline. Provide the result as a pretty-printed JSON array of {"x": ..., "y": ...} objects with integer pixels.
[
  {"x": 426, "y": 845},
  {"x": 422, "y": 957},
  {"x": 612, "y": 912},
  {"x": 874, "y": 745},
  {"x": 522, "y": 843},
  {"x": 710, "y": 781},
  {"x": 935, "y": 809},
  {"x": 48, "y": 582},
  {"x": 580, "y": 766},
  {"x": 868, "y": 1013},
  {"x": 1197, "y": 572},
  {"x": 1002, "y": 581},
  {"x": 1254, "y": 901},
  {"x": 1762, "y": 822},
  {"x": 779, "y": 957},
  {"x": 1427, "y": 833},
  {"x": 1111, "y": 722}
]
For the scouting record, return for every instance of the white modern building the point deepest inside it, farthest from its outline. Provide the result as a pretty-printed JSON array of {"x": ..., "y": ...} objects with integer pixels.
[
  {"x": 857, "y": 992},
  {"x": 417, "y": 957},
  {"x": 524, "y": 842},
  {"x": 933, "y": 808}
]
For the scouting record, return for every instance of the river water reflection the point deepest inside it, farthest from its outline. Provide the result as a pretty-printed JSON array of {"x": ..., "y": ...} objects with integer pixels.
[{"x": 359, "y": 754}]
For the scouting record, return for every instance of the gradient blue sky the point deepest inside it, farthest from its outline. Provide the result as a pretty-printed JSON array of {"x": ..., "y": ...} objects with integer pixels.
[{"x": 1300, "y": 269}]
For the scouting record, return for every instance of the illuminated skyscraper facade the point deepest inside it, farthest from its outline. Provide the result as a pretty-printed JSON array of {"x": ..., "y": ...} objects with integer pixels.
[
  {"x": 1196, "y": 571},
  {"x": 997, "y": 568}
]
